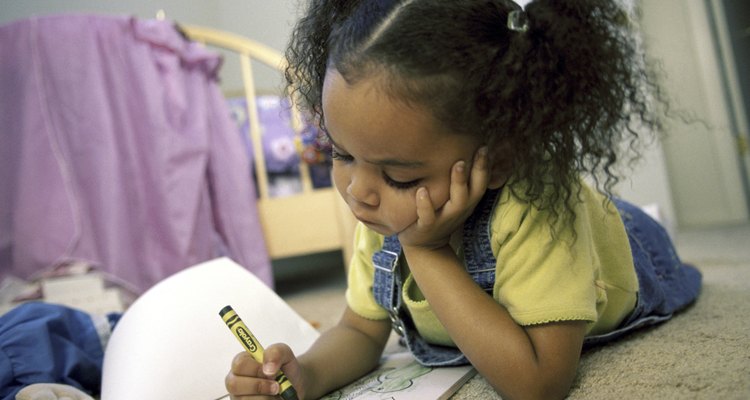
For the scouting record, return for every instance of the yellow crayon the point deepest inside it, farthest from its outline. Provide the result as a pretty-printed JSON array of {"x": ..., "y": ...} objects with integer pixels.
[{"x": 251, "y": 344}]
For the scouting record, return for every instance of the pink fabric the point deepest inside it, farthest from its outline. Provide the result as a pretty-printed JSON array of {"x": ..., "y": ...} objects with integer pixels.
[{"x": 117, "y": 148}]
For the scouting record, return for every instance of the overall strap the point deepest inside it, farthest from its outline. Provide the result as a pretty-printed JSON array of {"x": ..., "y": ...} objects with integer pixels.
[
  {"x": 479, "y": 260},
  {"x": 387, "y": 281}
]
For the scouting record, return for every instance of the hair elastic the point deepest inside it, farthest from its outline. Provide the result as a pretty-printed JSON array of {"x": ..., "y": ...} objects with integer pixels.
[{"x": 518, "y": 21}]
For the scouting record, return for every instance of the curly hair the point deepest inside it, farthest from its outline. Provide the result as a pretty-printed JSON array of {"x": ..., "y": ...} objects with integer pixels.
[{"x": 554, "y": 102}]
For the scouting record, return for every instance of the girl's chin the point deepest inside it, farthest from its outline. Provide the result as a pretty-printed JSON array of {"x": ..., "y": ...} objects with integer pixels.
[{"x": 378, "y": 228}]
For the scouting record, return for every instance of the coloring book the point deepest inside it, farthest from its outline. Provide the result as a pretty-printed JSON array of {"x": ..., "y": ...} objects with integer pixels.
[
  {"x": 400, "y": 377},
  {"x": 172, "y": 344}
]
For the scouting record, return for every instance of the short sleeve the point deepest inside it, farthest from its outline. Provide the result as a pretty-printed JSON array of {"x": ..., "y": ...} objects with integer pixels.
[
  {"x": 360, "y": 277},
  {"x": 542, "y": 278}
]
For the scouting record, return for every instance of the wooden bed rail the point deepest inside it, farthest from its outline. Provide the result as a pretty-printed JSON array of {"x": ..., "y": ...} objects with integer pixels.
[{"x": 315, "y": 220}]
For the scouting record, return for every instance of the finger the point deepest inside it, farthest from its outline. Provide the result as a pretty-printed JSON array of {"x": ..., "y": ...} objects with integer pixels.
[
  {"x": 275, "y": 356},
  {"x": 243, "y": 364},
  {"x": 480, "y": 175},
  {"x": 239, "y": 386},
  {"x": 246, "y": 378},
  {"x": 425, "y": 211},
  {"x": 458, "y": 190}
]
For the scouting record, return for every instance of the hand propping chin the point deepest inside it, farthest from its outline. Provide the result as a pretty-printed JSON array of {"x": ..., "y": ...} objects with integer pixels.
[{"x": 434, "y": 228}]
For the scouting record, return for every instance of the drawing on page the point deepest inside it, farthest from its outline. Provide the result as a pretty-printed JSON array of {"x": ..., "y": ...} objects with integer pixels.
[{"x": 382, "y": 381}]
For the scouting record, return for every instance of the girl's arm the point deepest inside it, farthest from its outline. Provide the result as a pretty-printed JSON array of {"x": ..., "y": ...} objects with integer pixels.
[
  {"x": 340, "y": 355},
  {"x": 519, "y": 362},
  {"x": 537, "y": 362},
  {"x": 344, "y": 353}
]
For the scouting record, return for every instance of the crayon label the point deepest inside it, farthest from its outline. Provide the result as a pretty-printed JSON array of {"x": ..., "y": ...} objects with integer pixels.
[{"x": 247, "y": 340}]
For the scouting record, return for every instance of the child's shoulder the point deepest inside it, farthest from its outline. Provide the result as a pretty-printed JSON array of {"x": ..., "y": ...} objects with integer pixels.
[{"x": 513, "y": 214}]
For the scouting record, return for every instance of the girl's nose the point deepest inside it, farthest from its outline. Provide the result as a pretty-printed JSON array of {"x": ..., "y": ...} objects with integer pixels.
[{"x": 362, "y": 193}]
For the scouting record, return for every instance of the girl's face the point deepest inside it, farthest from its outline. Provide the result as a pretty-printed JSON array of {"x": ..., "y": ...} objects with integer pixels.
[{"x": 384, "y": 150}]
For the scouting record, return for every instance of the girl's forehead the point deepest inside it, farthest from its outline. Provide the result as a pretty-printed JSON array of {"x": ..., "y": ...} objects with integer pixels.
[
  {"x": 364, "y": 106},
  {"x": 370, "y": 101},
  {"x": 336, "y": 85},
  {"x": 365, "y": 122}
]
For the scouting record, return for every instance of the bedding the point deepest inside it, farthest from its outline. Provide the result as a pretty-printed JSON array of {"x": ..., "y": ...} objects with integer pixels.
[{"x": 117, "y": 150}]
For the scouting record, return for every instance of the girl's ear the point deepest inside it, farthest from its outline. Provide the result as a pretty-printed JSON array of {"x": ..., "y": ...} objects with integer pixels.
[
  {"x": 497, "y": 177},
  {"x": 500, "y": 171}
]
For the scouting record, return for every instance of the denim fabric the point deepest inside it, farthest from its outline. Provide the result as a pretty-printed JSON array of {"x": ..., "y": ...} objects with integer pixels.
[
  {"x": 666, "y": 284},
  {"x": 50, "y": 343},
  {"x": 480, "y": 264}
]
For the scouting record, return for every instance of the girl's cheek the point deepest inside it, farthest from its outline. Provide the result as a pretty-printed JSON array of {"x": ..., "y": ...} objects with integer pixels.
[
  {"x": 340, "y": 180},
  {"x": 439, "y": 195},
  {"x": 401, "y": 209},
  {"x": 402, "y": 202}
]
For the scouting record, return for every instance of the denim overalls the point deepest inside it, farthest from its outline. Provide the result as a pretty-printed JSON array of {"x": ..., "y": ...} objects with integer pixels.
[{"x": 666, "y": 284}]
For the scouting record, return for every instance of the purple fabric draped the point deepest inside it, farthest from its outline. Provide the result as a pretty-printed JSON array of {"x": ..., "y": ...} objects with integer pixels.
[{"x": 117, "y": 148}]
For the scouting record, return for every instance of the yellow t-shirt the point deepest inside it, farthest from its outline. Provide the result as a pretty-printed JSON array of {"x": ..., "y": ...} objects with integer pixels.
[{"x": 537, "y": 279}]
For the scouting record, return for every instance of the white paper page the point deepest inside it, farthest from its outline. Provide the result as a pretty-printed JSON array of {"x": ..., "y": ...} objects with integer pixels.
[
  {"x": 400, "y": 377},
  {"x": 172, "y": 344}
]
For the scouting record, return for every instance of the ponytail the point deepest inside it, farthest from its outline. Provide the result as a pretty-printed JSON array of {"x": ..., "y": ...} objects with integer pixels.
[{"x": 573, "y": 86}]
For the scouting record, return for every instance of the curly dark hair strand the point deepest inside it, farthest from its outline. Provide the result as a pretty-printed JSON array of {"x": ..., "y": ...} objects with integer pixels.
[{"x": 554, "y": 102}]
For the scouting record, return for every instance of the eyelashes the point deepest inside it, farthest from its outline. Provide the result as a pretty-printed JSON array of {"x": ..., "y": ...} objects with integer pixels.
[
  {"x": 399, "y": 185},
  {"x": 340, "y": 156}
]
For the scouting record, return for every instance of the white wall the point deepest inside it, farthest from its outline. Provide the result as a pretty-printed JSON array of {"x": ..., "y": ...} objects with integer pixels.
[
  {"x": 267, "y": 21},
  {"x": 701, "y": 158},
  {"x": 647, "y": 183}
]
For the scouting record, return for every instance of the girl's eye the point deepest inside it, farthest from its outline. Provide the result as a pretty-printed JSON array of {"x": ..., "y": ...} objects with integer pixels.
[
  {"x": 400, "y": 185},
  {"x": 346, "y": 158},
  {"x": 336, "y": 155}
]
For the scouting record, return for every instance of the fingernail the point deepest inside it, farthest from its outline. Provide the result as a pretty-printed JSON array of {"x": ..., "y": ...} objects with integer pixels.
[
  {"x": 460, "y": 166},
  {"x": 274, "y": 388},
  {"x": 269, "y": 369},
  {"x": 482, "y": 151},
  {"x": 422, "y": 193}
]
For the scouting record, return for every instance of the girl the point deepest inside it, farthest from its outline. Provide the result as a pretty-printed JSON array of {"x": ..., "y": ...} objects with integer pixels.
[{"x": 460, "y": 132}]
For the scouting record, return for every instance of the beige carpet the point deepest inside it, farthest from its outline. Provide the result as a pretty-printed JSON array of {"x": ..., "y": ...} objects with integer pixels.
[{"x": 702, "y": 353}]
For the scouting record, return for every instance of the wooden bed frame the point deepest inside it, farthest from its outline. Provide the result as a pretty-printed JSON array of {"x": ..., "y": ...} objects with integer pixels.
[{"x": 313, "y": 221}]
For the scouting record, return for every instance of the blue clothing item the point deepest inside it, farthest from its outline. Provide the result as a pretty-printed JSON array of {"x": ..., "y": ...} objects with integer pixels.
[
  {"x": 480, "y": 264},
  {"x": 666, "y": 285},
  {"x": 49, "y": 343}
]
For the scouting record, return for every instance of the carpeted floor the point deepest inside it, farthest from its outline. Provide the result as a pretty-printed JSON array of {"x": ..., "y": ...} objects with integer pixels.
[{"x": 702, "y": 353}]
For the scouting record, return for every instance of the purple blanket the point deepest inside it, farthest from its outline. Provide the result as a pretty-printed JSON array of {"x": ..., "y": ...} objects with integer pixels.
[{"x": 116, "y": 148}]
